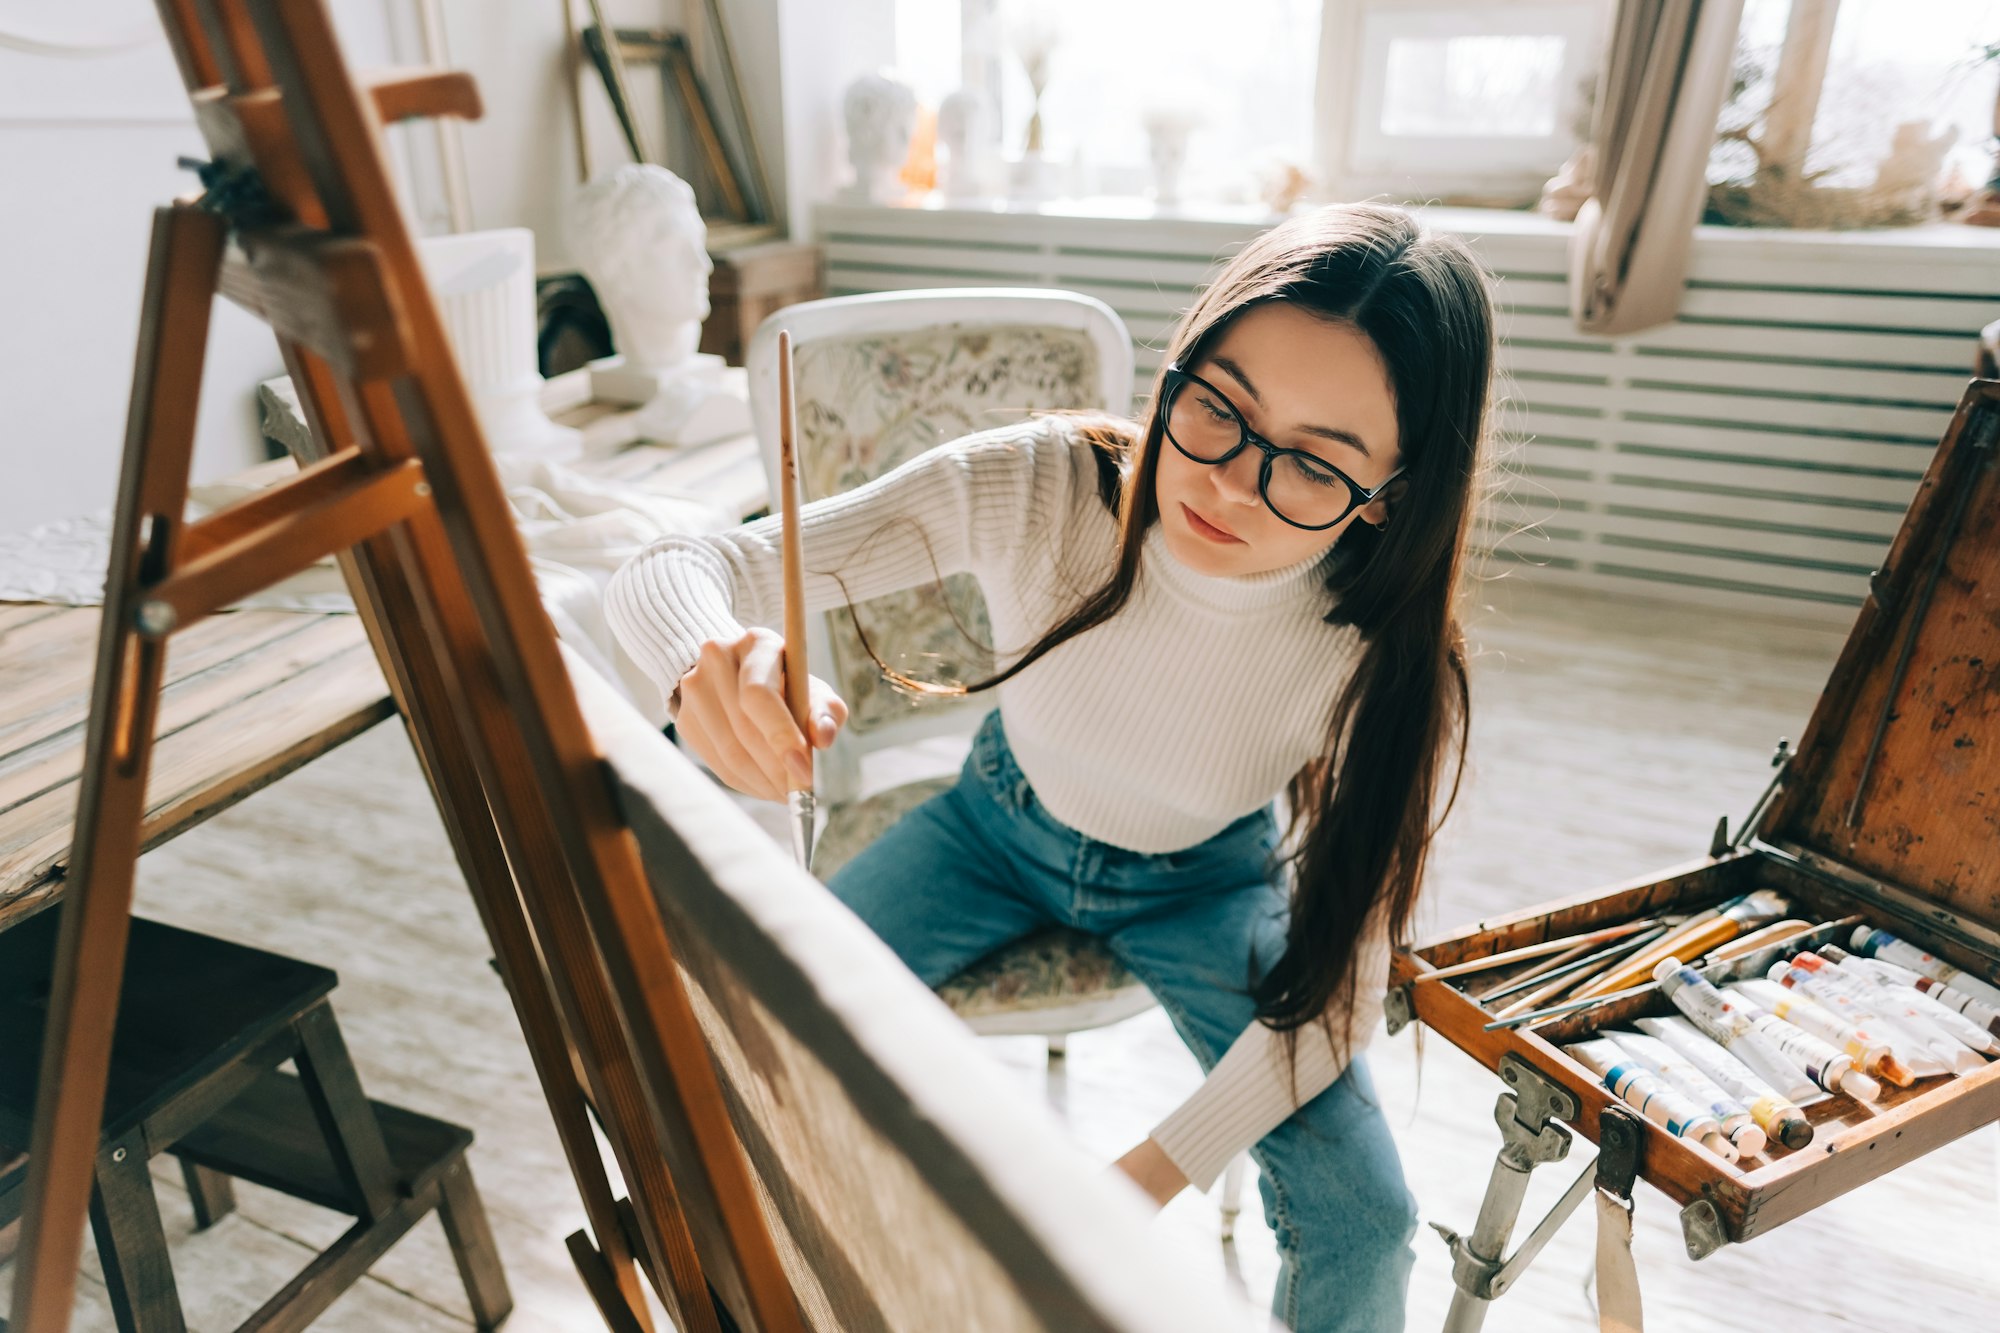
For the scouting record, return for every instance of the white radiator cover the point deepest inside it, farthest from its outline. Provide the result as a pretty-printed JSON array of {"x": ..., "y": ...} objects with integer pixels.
[{"x": 1757, "y": 454}]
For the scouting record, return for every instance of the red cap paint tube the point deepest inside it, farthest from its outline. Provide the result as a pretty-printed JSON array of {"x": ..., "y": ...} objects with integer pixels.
[
  {"x": 1651, "y": 1096},
  {"x": 1928, "y": 1050},
  {"x": 1981, "y": 1019},
  {"x": 1662, "y": 1061},
  {"x": 1732, "y": 1019},
  {"x": 1873, "y": 1051},
  {"x": 1771, "y": 1110},
  {"x": 1881, "y": 944}
]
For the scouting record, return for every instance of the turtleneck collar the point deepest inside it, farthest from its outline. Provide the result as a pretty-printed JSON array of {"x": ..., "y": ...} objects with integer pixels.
[{"x": 1240, "y": 594}]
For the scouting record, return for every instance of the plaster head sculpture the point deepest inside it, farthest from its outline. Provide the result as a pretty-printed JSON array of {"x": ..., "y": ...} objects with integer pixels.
[
  {"x": 644, "y": 247},
  {"x": 881, "y": 115}
]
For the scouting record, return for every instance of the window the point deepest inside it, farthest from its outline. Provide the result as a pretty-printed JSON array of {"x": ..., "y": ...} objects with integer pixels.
[
  {"x": 1426, "y": 100},
  {"x": 1832, "y": 99},
  {"x": 1244, "y": 71},
  {"x": 1466, "y": 101}
]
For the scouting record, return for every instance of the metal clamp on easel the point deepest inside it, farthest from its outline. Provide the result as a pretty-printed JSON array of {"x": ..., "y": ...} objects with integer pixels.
[{"x": 1529, "y": 1138}]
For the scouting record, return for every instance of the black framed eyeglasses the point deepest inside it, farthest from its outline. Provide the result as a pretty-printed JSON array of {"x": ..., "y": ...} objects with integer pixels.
[{"x": 1301, "y": 488}]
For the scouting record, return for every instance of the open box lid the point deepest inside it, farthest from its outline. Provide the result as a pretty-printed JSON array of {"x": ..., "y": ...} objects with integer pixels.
[{"x": 1909, "y": 793}]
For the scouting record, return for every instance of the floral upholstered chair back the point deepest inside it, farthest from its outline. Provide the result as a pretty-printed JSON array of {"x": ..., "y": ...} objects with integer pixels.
[{"x": 867, "y": 403}]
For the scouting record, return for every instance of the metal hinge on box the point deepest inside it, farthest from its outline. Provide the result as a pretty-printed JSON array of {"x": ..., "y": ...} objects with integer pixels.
[{"x": 1722, "y": 844}]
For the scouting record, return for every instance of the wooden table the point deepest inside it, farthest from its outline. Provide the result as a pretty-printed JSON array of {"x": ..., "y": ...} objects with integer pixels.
[{"x": 250, "y": 695}]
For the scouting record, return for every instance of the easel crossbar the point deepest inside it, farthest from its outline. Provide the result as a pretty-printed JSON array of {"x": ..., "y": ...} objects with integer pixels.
[{"x": 324, "y": 510}]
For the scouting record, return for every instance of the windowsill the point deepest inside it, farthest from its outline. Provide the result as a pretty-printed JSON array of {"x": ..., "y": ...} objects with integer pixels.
[{"x": 1935, "y": 237}]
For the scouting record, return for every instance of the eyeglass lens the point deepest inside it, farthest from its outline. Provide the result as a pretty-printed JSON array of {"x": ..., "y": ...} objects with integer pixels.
[{"x": 1206, "y": 426}]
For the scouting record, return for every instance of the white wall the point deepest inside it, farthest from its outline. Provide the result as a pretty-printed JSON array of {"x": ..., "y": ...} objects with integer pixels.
[{"x": 88, "y": 147}]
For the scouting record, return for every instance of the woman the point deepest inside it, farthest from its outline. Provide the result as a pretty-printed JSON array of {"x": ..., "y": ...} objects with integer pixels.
[{"x": 1251, "y": 592}]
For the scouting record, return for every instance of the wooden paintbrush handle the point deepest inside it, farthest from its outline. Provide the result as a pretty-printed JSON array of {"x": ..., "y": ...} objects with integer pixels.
[{"x": 798, "y": 686}]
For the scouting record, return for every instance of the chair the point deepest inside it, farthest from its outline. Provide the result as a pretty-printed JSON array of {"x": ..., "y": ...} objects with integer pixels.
[{"x": 878, "y": 379}]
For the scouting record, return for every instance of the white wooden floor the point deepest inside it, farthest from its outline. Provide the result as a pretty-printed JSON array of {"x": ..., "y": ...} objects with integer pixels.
[{"x": 1608, "y": 737}]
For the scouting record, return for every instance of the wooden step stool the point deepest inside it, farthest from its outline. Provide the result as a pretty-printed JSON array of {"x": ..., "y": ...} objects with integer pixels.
[{"x": 203, "y": 1026}]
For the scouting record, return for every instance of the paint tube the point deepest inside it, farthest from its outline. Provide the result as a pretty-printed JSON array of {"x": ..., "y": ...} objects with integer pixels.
[
  {"x": 1772, "y": 1111},
  {"x": 1884, "y": 1012},
  {"x": 1732, "y": 1019},
  {"x": 1881, "y": 944},
  {"x": 1873, "y": 1051},
  {"x": 1651, "y": 1096},
  {"x": 1662, "y": 1061},
  {"x": 1981, "y": 1018}
]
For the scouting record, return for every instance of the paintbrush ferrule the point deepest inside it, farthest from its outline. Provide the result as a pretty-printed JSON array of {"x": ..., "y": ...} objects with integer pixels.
[{"x": 804, "y": 808}]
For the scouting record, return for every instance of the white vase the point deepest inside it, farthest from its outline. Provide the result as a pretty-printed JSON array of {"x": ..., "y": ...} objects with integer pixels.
[
  {"x": 963, "y": 135},
  {"x": 484, "y": 282}
]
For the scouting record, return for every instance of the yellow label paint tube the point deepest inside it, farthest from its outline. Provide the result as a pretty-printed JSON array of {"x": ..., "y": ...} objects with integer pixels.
[
  {"x": 1732, "y": 1019},
  {"x": 1864, "y": 1003},
  {"x": 1772, "y": 1111},
  {"x": 1662, "y": 1061},
  {"x": 1881, "y": 944},
  {"x": 1874, "y": 1048},
  {"x": 1651, "y": 1096},
  {"x": 1981, "y": 1027}
]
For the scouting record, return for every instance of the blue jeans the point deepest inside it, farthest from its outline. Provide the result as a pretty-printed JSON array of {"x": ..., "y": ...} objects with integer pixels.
[{"x": 982, "y": 864}]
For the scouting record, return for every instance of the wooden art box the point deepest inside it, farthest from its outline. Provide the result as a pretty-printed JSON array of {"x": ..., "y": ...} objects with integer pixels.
[{"x": 1889, "y": 810}]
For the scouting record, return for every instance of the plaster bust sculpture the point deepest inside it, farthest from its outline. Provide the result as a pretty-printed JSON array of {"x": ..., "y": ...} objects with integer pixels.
[
  {"x": 642, "y": 243},
  {"x": 644, "y": 247},
  {"x": 881, "y": 115}
]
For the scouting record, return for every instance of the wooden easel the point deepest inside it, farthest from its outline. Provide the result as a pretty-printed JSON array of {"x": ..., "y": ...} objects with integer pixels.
[{"x": 300, "y": 226}]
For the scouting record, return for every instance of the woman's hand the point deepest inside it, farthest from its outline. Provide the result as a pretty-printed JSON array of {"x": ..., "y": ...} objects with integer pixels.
[
  {"x": 733, "y": 715},
  {"x": 1149, "y": 1167}
]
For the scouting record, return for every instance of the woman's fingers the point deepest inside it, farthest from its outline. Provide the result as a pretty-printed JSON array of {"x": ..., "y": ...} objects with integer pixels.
[
  {"x": 829, "y": 713},
  {"x": 725, "y": 756},
  {"x": 709, "y": 697},
  {"x": 734, "y": 715},
  {"x": 761, "y": 700}
]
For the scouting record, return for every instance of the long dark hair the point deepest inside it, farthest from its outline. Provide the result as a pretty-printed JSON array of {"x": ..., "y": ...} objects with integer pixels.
[{"x": 1362, "y": 814}]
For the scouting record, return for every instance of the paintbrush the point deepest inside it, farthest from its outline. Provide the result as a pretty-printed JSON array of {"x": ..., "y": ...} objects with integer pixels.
[
  {"x": 1528, "y": 951},
  {"x": 1693, "y": 938},
  {"x": 1567, "y": 1007},
  {"x": 1607, "y": 958},
  {"x": 801, "y": 801},
  {"x": 1576, "y": 965}
]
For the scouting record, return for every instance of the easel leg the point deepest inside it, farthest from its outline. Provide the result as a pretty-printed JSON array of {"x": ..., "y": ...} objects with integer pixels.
[
  {"x": 181, "y": 276},
  {"x": 420, "y": 676},
  {"x": 1528, "y": 1139}
]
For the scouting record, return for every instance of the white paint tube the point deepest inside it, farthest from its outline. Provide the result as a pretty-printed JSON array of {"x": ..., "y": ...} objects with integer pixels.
[
  {"x": 1881, "y": 944},
  {"x": 1882, "y": 1011},
  {"x": 1774, "y": 1112},
  {"x": 1876, "y": 1049},
  {"x": 1981, "y": 1019},
  {"x": 1651, "y": 1096},
  {"x": 1729, "y": 1019},
  {"x": 1663, "y": 1061}
]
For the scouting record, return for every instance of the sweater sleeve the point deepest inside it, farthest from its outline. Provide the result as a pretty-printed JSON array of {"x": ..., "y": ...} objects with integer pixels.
[
  {"x": 970, "y": 506},
  {"x": 1249, "y": 1092}
]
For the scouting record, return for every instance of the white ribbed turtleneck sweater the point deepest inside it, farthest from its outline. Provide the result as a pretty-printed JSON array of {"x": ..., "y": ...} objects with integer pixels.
[{"x": 1190, "y": 708}]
